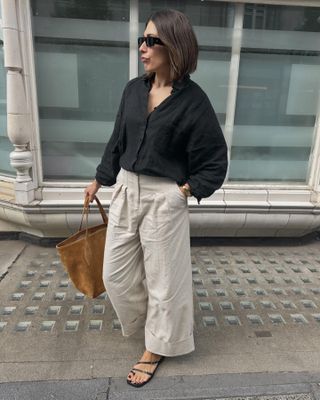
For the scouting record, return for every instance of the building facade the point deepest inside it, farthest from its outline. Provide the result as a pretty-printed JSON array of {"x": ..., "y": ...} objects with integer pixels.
[{"x": 64, "y": 64}]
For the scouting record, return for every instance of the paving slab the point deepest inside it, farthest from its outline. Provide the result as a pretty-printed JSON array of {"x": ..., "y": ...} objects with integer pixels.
[
  {"x": 67, "y": 390},
  {"x": 9, "y": 251}
]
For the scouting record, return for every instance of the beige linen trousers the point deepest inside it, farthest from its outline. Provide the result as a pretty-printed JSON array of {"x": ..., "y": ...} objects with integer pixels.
[{"x": 147, "y": 264}]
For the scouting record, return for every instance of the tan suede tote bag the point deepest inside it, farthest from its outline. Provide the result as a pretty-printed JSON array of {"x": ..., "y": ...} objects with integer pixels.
[{"x": 82, "y": 254}]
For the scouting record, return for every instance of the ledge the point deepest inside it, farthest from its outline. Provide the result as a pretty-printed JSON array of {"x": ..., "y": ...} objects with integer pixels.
[{"x": 230, "y": 212}]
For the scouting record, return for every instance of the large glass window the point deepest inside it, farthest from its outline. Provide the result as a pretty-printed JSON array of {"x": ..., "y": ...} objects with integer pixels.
[
  {"x": 278, "y": 94},
  {"x": 82, "y": 64}
]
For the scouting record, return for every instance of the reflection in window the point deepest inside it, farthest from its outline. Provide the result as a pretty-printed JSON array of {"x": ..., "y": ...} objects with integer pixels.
[
  {"x": 200, "y": 13},
  {"x": 284, "y": 18},
  {"x": 278, "y": 93},
  {"x": 82, "y": 63},
  {"x": 114, "y": 10}
]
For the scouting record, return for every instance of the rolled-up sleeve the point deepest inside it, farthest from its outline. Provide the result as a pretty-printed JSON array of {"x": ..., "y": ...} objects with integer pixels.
[
  {"x": 108, "y": 169},
  {"x": 207, "y": 152}
]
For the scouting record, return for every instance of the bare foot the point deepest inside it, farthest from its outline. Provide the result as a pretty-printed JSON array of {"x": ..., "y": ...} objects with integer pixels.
[{"x": 137, "y": 376}]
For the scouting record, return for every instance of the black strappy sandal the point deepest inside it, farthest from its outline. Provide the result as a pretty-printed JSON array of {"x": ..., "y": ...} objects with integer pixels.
[{"x": 145, "y": 372}]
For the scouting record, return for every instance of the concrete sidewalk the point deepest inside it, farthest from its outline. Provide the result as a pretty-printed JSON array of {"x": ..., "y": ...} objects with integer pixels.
[{"x": 257, "y": 314}]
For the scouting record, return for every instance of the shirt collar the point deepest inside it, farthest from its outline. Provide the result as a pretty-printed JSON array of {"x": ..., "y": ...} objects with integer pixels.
[{"x": 177, "y": 84}]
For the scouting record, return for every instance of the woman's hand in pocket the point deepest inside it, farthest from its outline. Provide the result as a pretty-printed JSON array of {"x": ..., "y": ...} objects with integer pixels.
[{"x": 185, "y": 189}]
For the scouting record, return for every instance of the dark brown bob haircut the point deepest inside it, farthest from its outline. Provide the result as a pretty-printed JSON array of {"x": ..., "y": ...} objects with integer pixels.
[{"x": 176, "y": 32}]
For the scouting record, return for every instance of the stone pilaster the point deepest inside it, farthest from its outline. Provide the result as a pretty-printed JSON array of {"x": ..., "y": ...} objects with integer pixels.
[{"x": 18, "y": 113}]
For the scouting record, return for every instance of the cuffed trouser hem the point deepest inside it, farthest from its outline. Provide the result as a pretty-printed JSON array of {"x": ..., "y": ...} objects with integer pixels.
[
  {"x": 157, "y": 346},
  {"x": 132, "y": 328}
]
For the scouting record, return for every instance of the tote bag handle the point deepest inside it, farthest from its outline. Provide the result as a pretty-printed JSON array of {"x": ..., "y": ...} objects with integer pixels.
[{"x": 86, "y": 209}]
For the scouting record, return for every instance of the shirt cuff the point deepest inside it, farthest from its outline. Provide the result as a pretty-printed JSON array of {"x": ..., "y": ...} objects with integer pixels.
[{"x": 193, "y": 191}]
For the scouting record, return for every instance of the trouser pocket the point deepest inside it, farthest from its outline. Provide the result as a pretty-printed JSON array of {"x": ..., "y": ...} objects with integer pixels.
[{"x": 117, "y": 204}]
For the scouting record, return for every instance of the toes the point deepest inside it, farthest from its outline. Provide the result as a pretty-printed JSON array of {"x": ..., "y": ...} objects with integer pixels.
[
  {"x": 142, "y": 379},
  {"x": 139, "y": 379}
]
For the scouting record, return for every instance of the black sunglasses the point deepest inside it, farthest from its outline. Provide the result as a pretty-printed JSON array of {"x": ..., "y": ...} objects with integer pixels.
[{"x": 150, "y": 41}]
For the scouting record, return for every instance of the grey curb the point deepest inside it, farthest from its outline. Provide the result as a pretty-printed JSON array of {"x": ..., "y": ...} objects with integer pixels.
[{"x": 258, "y": 386}]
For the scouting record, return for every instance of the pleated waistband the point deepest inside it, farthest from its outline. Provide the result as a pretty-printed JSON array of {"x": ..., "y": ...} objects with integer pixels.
[{"x": 147, "y": 182}]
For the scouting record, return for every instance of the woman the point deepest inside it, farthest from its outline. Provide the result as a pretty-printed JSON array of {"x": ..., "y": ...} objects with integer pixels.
[{"x": 166, "y": 145}]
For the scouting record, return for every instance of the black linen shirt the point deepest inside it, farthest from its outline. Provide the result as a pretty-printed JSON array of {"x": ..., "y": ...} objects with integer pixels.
[{"x": 180, "y": 139}]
